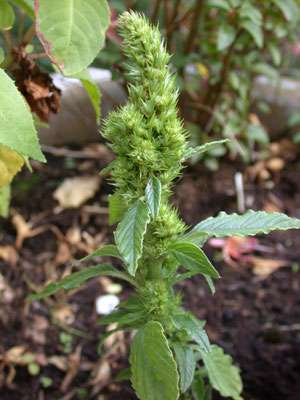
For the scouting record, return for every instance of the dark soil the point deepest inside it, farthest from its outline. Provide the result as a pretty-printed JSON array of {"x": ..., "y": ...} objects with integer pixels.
[{"x": 255, "y": 318}]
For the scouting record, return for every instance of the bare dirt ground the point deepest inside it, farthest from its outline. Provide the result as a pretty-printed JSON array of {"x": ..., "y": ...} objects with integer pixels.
[{"x": 254, "y": 315}]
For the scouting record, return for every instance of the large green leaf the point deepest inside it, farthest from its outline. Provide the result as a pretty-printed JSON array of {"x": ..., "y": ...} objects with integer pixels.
[
  {"x": 194, "y": 329},
  {"x": 72, "y": 31},
  {"x": 288, "y": 7},
  {"x": 248, "y": 224},
  {"x": 17, "y": 130},
  {"x": 26, "y": 5},
  {"x": 92, "y": 90},
  {"x": 193, "y": 258},
  {"x": 110, "y": 250},
  {"x": 76, "y": 279},
  {"x": 255, "y": 31},
  {"x": 198, "y": 238},
  {"x": 7, "y": 15},
  {"x": 223, "y": 375},
  {"x": 154, "y": 373},
  {"x": 4, "y": 200},
  {"x": 130, "y": 234},
  {"x": 153, "y": 195},
  {"x": 186, "y": 363},
  {"x": 226, "y": 35},
  {"x": 248, "y": 11},
  {"x": 116, "y": 208},
  {"x": 204, "y": 147}
]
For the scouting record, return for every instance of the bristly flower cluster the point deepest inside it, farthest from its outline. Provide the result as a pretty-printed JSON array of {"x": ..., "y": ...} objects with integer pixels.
[{"x": 146, "y": 134}]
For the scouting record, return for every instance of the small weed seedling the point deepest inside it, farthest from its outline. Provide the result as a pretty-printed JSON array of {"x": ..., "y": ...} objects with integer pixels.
[{"x": 170, "y": 356}]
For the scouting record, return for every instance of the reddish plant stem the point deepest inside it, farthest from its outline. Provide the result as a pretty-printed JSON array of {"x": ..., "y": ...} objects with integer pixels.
[
  {"x": 155, "y": 11},
  {"x": 190, "y": 41},
  {"x": 38, "y": 55},
  {"x": 167, "y": 18},
  {"x": 172, "y": 24},
  {"x": 214, "y": 92}
]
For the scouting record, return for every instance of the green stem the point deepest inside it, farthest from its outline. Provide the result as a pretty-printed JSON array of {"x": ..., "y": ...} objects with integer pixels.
[
  {"x": 29, "y": 35},
  {"x": 156, "y": 268},
  {"x": 7, "y": 62}
]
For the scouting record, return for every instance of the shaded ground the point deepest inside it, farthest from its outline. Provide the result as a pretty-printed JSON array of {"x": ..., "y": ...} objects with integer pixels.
[{"x": 254, "y": 317}]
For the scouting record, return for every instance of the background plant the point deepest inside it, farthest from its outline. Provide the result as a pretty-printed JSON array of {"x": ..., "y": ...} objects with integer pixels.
[
  {"x": 37, "y": 37},
  {"x": 170, "y": 356},
  {"x": 219, "y": 47}
]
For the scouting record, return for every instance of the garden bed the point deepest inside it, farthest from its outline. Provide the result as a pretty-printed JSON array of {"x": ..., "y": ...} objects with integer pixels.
[{"x": 254, "y": 317}]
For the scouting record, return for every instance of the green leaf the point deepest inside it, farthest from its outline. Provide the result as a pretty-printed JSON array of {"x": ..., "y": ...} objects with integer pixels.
[
  {"x": 223, "y": 375},
  {"x": 204, "y": 147},
  {"x": 17, "y": 130},
  {"x": 193, "y": 258},
  {"x": 26, "y": 5},
  {"x": 235, "y": 3},
  {"x": 226, "y": 35},
  {"x": 248, "y": 224},
  {"x": 154, "y": 373},
  {"x": 124, "y": 375},
  {"x": 255, "y": 31},
  {"x": 116, "y": 208},
  {"x": 275, "y": 53},
  {"x": 7, "y": 15},
  {"x": 79, "y": 33},
  {"x": 186, "y": 363},
  {"x": 112, "y": 318},
  {"x": 198, "y": 389},
  {"x": 266, "y": 69},
  {"x": 92, "y": 91},
  {"x": 197, "y": 238},
  {"x": 257, "y": 133},
  {"x": 210, "y": 284},
  {"x": 153, "y": 195},
  {"x": 252, "y": 13},
  {"x": 287, "y": 7},
  {"x": 2, "y": 55},
  {"x": 222, "y": 4},
  {"x": 130, "y": 233},
  {"x": 110, "y": 250},
  {"x": 76, "y": 279},
  {"x": 4, "y": 200},
  {"x": 134, "y": 303},
  {"x": 194, "y": 329}
]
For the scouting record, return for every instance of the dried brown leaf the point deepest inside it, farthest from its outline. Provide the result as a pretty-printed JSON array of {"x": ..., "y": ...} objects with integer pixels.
[{"x": 74, "y": 192}]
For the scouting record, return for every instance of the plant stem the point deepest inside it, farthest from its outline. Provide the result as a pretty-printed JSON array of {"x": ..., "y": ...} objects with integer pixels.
[
  {"x": 7, "y": 61},
  {"x": 214, "y": 93},
  {"x": 172, "y": 23},
  {"x": 22, "y": 17},
  {"x": 38, "y": 55},
  {"x": 8, "y": 39},
  {"x": 155, "y": 12},
  {"x": 29, "y": 35},
  {"x": 189, "y": 44},
  {"x": 156, "y": 268}
]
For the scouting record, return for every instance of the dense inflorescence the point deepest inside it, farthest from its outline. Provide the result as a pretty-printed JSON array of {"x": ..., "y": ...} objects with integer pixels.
[{"x": 146, "y": 134}]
